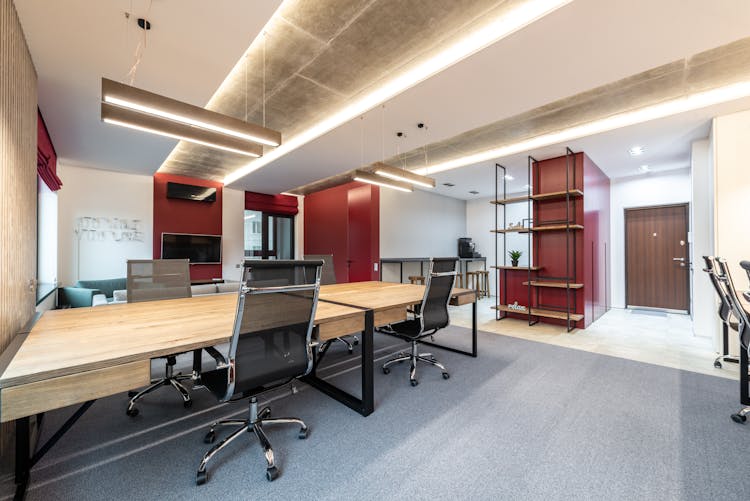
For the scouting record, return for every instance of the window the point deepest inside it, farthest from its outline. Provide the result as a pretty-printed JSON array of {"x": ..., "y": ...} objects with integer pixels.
[
  {"x": 46, "y": 252},
  {"x": 268, "y": 236}
]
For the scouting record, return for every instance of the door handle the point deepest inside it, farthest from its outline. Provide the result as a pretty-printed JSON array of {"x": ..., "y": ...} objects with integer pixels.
[{"x": 678, "y": 259}]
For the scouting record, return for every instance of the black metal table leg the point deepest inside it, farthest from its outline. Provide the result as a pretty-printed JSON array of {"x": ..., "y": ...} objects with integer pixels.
[
  {"x": 402, "y": 271},
  {"x": 474, "y": 351},
  {"x": 23, "y": 457},
  {"x": 366, "y": 404},
  {"x": 25, "y": 460}
]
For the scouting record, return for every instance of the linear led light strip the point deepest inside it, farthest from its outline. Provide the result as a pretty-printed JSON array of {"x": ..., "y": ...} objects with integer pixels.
[
  {"x": 661, "y": 110},
  {"x": 187, "y": 120},
  {"x": 510, "y": 22},
  {"x": 366, "y": 177},
  {"x": 406, "y": 176},
  {"x": 177, "y": 136}
]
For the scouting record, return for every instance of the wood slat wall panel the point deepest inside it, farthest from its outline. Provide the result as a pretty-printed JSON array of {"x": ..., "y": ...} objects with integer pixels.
[{"x": 18, "y": 186}]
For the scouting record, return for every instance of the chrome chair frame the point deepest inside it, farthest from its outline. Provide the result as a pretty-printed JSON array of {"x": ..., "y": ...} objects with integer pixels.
[{"x": 256, "y": 419}]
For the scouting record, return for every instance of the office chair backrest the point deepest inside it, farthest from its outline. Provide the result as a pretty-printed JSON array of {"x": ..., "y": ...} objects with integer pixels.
[
  {"x": 746, "y": 266},
  {"x": 725, "y": 309},
  {"x": 152, "y": 279},
  {"x": 438, "y": 288},
  {"x": 738, "y": 310},
  {"x": 273, "y": 324},
  {"x": 328, "y": 275}
]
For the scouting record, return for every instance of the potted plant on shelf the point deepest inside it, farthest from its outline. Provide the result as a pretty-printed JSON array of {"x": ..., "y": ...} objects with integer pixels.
[{"x": 514, "y": 257}]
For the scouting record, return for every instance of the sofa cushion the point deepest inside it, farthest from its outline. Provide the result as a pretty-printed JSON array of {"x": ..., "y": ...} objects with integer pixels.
[
  {"x": 106, "y": 286},
  {"x": 203, "y": 289}
]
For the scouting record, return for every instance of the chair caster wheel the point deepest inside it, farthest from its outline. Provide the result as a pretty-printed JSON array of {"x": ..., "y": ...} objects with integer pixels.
[
  {"x": 132, "y": 393},
  {"x": 132, "y": 412},
  {"x": 200, "y": 478},
  {"x": 386, "y": 370},
  {"x": 303, "y": 433},
  {"x": 717, "y": 364},
  {"x": 187, "y": 404},
  {"x": 272, "y": 473},
  {"x": 446, "y": 375},
  {"x": 414, "y": 382},
  {"x": 739, "y": 418},
  {"x": 351, "y": 350},
  {"x": 355, "y": 342},
  {"x": 210, "y": 437}
]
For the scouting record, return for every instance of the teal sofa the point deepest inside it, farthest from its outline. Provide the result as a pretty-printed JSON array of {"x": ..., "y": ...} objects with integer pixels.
[{"x": 83, "y": 292}]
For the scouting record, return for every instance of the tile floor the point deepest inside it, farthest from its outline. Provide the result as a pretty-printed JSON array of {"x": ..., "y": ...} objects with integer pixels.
[{"x": 661, "y": 339}]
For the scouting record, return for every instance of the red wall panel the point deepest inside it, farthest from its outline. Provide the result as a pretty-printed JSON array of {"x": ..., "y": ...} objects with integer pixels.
[
  {"x": 345, "y": 221},
  {"x": 186, "y": 216}
]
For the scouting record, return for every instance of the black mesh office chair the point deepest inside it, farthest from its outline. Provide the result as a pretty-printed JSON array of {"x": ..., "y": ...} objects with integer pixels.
[
  {"x": 150, "y": 280},
  {"x": 431, "y": 316},
  {"x": 743, "y": 327},
  {"x": 270, "y": 346},
  {"x": 725, "y": 312},
  {"x": 746, "y": 266},
  {"x": 328, "y": 277}
]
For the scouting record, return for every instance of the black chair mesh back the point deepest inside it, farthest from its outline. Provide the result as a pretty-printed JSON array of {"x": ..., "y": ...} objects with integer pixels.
[
  {"x": 725, "y": 308},
  {"x": 437, "y": 293},
  {"x": 328, "y": 275},
  {"x": 152, "y": 279},
  {"x": 737, "y": 309},
  {"x": 271, "y": 340}
]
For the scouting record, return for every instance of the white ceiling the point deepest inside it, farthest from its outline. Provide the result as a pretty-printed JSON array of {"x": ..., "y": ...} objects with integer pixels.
[{"x": 194, "y": 44}]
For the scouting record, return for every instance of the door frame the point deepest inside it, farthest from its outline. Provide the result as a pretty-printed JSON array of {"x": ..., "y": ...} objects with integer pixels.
[{"x": 688, "y": 263}]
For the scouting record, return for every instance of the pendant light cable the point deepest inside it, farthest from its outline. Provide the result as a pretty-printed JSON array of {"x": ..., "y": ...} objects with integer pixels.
[
  {"x": 140, "y": 48},
  {"x": 264, "y": 79}
]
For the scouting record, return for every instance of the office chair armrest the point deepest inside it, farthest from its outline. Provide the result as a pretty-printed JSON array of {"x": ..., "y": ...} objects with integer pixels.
[
  {"x": 220, "y": 360},
  {"x": 746, "y": 295}
]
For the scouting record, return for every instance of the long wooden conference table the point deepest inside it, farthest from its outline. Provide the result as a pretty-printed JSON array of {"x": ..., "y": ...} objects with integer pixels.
[{"x": 76, "y": 356}]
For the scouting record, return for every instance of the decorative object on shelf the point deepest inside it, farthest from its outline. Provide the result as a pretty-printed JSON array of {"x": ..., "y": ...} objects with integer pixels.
[
  {"x": 515, "y": 255},
  {"x": 517, "y": 307}
]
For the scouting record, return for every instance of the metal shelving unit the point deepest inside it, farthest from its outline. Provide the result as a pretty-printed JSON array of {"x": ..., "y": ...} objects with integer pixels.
[{"x": 534, "y": 308}]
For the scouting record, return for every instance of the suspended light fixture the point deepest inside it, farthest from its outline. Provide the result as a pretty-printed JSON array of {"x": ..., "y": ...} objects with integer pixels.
[
  {"x": 142, "y": 110},
  {"x": 404, "y": 175},
  {"x": 368, "y": 177}
]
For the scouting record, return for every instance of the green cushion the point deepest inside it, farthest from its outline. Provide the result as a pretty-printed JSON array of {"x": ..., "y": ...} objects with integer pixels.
[{"x": 107, "y": 286}]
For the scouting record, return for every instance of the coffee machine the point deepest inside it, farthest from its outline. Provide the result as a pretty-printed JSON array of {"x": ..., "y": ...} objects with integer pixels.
[{"x": 466, "y": 248}]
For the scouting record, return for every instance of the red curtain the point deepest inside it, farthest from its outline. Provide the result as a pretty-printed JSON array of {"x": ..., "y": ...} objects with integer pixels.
[
  {"x": 285, "y": 205},
  {"x": 46, "y": 157}
]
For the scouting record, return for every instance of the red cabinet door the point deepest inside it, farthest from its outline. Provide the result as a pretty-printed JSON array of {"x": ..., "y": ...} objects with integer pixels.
[{"x": 359, "y": 238}]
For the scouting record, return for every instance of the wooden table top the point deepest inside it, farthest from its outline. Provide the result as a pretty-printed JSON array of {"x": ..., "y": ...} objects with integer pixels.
[
  {"x": 380, "y": 295},
  {"x": 80, "y": 339},
  {"x": 74, "y": 340}
]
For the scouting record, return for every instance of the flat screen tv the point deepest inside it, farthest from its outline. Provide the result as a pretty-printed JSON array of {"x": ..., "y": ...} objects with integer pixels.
[{"x": 203, "y": 249}]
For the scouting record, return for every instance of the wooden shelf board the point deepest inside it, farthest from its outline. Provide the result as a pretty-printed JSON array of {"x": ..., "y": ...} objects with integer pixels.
[
  {"x": 539, "y": 312},
  {"x": 511, "y": 200},
  {"x": 518, "y": 268},
  {"x": 556, "y": 195},
  {"x": 557, "y": 285},
  {"x": 511, "y": 230},
  {"x": 556, "y": 227}
]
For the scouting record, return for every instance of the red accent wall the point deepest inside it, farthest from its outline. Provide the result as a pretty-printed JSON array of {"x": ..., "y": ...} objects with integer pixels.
[
  {"x": 345, "y": 221},
  {"x": 187, "y": 216}
]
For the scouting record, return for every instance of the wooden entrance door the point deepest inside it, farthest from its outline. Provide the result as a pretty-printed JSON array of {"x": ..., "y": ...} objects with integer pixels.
[{"x": 656, "y": 257}]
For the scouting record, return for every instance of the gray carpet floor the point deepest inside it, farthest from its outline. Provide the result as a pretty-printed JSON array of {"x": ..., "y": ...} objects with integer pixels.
[{"x": 524, "y": 420}]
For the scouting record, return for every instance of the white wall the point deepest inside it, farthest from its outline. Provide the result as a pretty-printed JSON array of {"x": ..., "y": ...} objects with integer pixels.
[
  {"x": 732, "y": 195},
  {"x": 232, "y": 229},
  {"x": 704, "y": 301},
  {"x": 640, "y": 191},
  {"x": 418, "y": 224},
  {"x": 98, "y": 193},
  {"x": 480, "y": 219}
]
